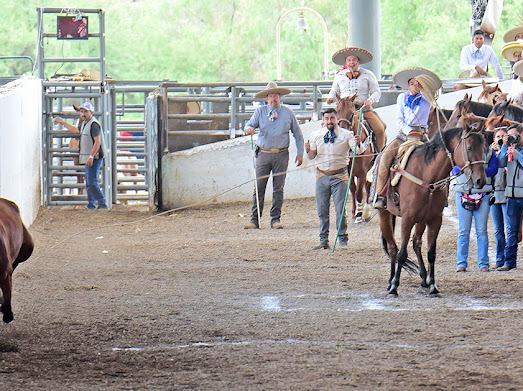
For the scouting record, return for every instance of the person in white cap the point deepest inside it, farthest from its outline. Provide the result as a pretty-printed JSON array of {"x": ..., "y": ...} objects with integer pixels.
[
  {"x": 351, "y": 79},
  {"x": 476, "y": 56},
  {"x": 272, "y": 150},
  {"x": 92, "y": 152},
  {"x": 412, "y": 114}
]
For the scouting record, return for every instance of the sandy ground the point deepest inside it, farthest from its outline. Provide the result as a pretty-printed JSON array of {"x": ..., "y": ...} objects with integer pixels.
[{"x": 124, "y": 300}]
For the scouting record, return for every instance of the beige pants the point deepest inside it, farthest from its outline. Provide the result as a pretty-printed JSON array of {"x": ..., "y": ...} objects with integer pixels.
[
  {"x": 387, "y": 158},
  {"x": 377, "y": 126}
]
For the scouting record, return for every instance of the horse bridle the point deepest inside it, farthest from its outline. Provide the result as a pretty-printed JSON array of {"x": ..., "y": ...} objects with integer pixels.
[{"x": 468, "y": 163}]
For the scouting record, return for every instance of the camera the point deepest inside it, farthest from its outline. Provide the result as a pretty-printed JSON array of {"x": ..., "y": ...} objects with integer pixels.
[
  {"x": 513, "y": 139},
  {"x": 500, "y": 142}
]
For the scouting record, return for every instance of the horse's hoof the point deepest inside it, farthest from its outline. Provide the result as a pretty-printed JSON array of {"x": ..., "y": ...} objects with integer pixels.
[
  {"x": 359, "y": 220},
  {"x": 8, "y": 317},
  {"x": 434, "y": 291},
  {"x": 424, "y": 285},
  {"x": 393, "y": 291}
]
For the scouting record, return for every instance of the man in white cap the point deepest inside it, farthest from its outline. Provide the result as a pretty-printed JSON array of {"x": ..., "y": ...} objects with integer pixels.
[
  {"x": 353, "y": 80},
  {"x": 476, "y": 56},
  {"x": 92, "y": 152},
  {"x": 274, "y": 122},
  {"x": 412, "y": 114}
]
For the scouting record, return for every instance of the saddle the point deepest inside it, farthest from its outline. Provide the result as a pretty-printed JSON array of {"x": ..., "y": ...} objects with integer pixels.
[{"x": 404, "y": 152}]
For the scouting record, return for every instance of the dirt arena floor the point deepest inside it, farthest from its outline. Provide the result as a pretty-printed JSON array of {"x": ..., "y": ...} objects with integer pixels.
[{"x": 122, "y": 300}]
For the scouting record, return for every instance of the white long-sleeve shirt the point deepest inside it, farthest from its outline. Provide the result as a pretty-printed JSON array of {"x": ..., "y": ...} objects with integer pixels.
[
  {"x": 471, "y": 56},
  {"x": 365, "y": 86},
  {"x": 409, "y": 118}
]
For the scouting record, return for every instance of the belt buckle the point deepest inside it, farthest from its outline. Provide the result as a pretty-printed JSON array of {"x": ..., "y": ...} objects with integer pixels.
[{"x": 275, "y": 150}]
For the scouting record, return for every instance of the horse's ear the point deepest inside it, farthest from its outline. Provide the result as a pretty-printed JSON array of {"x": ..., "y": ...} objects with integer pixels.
[
  {"x": 353, "y": 97},
  {"x": 483, "y": 83}
]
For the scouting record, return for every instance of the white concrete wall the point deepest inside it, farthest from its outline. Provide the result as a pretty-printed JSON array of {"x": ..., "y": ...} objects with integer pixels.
[
  {"x": 20, "y": 144},
  {"x": 202, "y": 173}
]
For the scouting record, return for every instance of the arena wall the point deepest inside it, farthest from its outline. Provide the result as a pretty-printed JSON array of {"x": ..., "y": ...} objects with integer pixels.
[{"x": 20, "y": 144}]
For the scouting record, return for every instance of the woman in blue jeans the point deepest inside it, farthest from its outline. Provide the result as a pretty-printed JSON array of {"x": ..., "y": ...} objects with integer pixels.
[
  {"x": 498, "y": 209},
  {"x": 478, "y": 209}
]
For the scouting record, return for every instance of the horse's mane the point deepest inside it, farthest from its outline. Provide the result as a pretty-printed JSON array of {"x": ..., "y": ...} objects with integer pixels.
[{"x": 437, "y": 143}]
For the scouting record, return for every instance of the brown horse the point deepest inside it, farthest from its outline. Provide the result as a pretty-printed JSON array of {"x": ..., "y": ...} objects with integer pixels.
[
  {"x": 359, "y": 187},
  {"x": 491, "y": 94},
  {"x": 16, "y": 245},
  {"x": 421, "y": 194}
]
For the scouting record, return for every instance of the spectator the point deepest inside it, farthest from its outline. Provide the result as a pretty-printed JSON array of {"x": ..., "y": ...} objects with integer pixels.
[
  {"x": 474, "y": 203},
  {"x": 498, "y": 207},
  {"x": 476, "y": 56}
]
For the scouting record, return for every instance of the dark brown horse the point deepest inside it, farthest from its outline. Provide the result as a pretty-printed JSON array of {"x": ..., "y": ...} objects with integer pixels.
[
  {"x": 467, "y": 105},
  {"x": 359, "y": 186},
  {"x": 421, "y": 194},
  {"x": 16, "y": 245}
]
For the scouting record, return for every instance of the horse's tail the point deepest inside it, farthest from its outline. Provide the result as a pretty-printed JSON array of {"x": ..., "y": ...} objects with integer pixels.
[{"x": 410, "y": 266}]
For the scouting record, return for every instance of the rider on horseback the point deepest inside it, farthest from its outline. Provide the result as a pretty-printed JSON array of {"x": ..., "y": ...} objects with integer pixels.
[
  {"x": 413, "y": 108},
  {"x": 353, "y": 80}
]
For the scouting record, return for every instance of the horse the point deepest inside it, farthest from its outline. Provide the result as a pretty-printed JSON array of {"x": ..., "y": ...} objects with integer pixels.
[
  {"x": 437, "y": 118},
  {"x": 16, "y": 245},
  {"x": 467, "y": 105},
  {"x": 421, "y": 195},
  {"x": 348, "y": 118},
  {"x": 491, "y": 94},
  {"x": 511, "y": 112}
]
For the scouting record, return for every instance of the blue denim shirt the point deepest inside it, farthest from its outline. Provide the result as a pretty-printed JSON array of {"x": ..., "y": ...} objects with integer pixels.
[{"x": 275, "y": 134}]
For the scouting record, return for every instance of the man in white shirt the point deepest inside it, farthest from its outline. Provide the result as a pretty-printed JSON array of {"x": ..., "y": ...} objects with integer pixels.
[
  {"x": 331, "y": 146},
  {"x": 351, "y": 79},
  {"x": 476, "y": 56}
]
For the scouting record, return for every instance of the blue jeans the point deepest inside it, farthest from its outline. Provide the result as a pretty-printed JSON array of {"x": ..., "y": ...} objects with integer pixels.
[
  {"x": 327, "y": 186},
  {"x": 514, "y": 209},
  {"x": 465, "y": 224},
  {"x": 94, "y": 191},
  {"x": 499, "y": 216}
]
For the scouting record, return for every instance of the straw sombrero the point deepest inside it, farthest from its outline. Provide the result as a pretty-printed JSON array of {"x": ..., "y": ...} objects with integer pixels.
[
  {"x": 518, "y": 68},
  {"x": 364, "y": 55},
  {"x": 508, "y": 49},
  {"x": 430, "y": 82},
  {"x": 510, "y": 35},
  {"x": 272, "y": 88}
]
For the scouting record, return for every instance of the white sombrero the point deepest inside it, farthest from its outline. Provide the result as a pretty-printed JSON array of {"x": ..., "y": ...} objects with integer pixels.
[
  {"x": 272, "y": 88},
  {"x": 364, "y": 55},
  {"x": 518, "y": 68},
  {"x": 510, "y": 35},
  {"x": 402, "y": 77},
  {"x": 508, "y": 50}
]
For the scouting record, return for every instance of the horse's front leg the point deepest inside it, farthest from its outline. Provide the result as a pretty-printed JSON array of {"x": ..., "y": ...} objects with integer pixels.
[
  {"x": 417, "y": 242},
  {"x": 359, "y": 200},
  {"x": 352, "y": 187},
  {"x": 406, "y": 228},
  {"x": 432, "y": 236},
  {"x": 5, "y": 308}
]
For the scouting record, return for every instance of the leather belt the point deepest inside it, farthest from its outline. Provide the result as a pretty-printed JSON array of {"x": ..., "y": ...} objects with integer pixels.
[
  {"x": 273, "y": 150},
  {"x": 332, "y": 172}
]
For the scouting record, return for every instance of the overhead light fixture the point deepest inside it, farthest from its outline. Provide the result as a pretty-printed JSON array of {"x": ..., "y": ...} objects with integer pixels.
[{"x": 302, "y": 23}]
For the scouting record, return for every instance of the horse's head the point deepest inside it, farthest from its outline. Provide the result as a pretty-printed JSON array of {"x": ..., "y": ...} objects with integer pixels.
[
  {"x": 469, "y": 147},
  {"x": 347, "y": 112},
  {"x": 461, "y": 107}
]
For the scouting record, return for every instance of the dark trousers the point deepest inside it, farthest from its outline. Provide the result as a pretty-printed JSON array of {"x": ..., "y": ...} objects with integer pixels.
[
  {"x": 514, "y": 210},
  {"x": 265, "y": 164}
]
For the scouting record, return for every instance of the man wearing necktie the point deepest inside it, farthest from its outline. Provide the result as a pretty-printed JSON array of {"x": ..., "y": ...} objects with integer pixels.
[
  {"x": 476, "y": 56},
  {"x": 331, "y": 146}
]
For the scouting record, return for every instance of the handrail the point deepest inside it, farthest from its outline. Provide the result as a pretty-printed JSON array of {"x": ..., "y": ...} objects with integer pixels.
[{"x": 21, "y": 57}]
